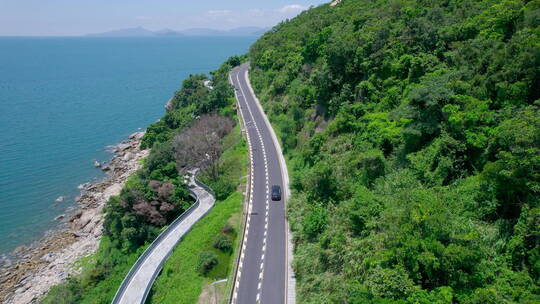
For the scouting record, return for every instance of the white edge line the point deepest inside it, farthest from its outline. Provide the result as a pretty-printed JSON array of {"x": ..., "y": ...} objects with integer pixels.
[{"x": 285, "y": 176}]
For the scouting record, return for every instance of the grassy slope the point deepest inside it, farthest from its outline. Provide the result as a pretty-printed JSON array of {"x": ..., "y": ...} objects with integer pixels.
[{"x": 179, "y": 281}]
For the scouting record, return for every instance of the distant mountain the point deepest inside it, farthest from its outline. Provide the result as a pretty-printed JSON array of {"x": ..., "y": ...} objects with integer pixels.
[
  {"x": 142, "y": 32},
  {"x": 167, "y": 32},
  {"x": 248, "y": 31},
  {"x": 202, "y": 32},
  {"x": 239, "y": 31},
  {"x": 129, "y": 32}
]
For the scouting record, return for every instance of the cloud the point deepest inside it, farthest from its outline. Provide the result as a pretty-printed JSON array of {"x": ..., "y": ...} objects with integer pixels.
[
  {"x": 292, "y": 8},
  {"x": 224, "y": 19},
  {"x": 284, "y": 12},
  {"x": 218, "y": 13}
]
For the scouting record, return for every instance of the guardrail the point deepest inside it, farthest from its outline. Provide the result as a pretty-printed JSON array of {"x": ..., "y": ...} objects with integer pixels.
[
  {"x": 204, "y": 186},
  {"x": 155, "y": 242}
]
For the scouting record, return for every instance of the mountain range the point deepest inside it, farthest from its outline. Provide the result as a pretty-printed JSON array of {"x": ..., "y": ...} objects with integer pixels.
[{"x": 142, "y": 32}]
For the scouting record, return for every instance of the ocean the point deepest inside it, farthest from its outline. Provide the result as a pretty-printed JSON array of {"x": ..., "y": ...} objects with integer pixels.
[{"x": 64, "y": 100}]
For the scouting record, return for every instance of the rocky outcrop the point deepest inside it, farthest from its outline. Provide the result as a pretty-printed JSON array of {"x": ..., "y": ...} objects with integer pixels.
[
  {"x": 50, "y": 262},
  {"x": 169, "y": 105}
]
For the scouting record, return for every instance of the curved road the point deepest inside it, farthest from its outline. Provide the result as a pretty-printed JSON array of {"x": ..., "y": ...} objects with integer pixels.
[
  {"x": 139, "y": 280},
  {"x": 262, "y": 269}
]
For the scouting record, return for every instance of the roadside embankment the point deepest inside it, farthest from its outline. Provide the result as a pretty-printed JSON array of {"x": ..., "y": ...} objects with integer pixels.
[{"x": 51, "y": 260}]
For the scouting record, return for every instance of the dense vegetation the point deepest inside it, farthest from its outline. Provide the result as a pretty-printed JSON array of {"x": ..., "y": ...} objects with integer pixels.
[
  {"x": 412, "y": 132},
  {"x": 157, "y": 193},
  {"x": 206, "y": 253}
]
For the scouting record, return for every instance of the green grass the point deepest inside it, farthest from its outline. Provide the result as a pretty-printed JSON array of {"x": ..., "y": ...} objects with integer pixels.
[{"x": 180, "y": 282}]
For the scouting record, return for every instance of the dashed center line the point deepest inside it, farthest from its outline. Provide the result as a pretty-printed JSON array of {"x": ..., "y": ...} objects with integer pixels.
[{"x": 250, "y": 205}]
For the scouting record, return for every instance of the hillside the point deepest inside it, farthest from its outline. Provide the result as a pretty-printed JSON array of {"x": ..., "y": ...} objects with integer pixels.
[{"x": 412, "y": 132}]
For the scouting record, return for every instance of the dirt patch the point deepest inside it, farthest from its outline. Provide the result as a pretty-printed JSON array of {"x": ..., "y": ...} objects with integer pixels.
[{"x": 213, "y": 294}]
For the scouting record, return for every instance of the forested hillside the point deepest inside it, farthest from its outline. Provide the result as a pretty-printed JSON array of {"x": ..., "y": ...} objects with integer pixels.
[{"x": 412, "y": 132}]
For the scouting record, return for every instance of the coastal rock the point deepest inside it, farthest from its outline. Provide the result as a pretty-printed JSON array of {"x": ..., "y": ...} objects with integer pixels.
[
  {"x": 20, "y": 249},
  {"x": 61, "y": 216},
  {"x": 169, "y": 105},
  {"x": 137, "y": 135},
  {"x": 122, "y": 146},
  {"x": 128, "y": 156},
  {"x": 48, "y": 257},
  {"x": 85, "y": 218},
  {"x": 98, "y": 232},
  {"x": 97, "y": 164},
  {"x": 83, "y": 186}
]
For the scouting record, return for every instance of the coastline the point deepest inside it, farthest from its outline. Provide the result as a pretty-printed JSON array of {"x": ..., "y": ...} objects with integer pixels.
[{"x": 51, "y": 260}]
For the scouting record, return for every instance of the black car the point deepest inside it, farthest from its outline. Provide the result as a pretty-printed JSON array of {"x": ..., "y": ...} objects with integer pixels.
[{"x": 276, "y": 193}]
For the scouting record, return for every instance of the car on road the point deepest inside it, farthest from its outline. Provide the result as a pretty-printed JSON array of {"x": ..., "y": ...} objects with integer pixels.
[{"x": 276, "y": 193}]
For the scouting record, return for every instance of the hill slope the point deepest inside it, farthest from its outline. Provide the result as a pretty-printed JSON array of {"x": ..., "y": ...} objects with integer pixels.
[{"x": 412, "y": 130}]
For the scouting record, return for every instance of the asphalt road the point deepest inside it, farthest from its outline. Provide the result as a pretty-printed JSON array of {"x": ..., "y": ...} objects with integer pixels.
[{"x": 262, "y": 269}]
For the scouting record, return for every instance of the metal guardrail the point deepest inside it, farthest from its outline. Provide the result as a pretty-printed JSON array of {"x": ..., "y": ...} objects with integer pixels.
[
  {"x": 204, "y": 186},
  {"x": 153, "y": 245}
]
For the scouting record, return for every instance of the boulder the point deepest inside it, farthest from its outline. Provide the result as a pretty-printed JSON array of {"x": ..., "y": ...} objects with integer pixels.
[
  {"x": 136, "y": 135},
  {"x": 169, "y": 105},
  {"x": 122, "y": 146},
  {"x": 128, "y": 156},
  {"x": 20, "y": 249}
]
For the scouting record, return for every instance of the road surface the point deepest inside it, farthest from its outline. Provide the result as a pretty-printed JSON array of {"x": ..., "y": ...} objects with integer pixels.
[{"x": 262, "y": 269}]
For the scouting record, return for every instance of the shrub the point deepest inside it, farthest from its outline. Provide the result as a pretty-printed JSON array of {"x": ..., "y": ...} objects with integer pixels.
[
  {"x": 207, "y": 261},
  {"x": 227, "y": 228},
  {"x": 223, "y": 187},
  {"x": 222, "y": 242}
]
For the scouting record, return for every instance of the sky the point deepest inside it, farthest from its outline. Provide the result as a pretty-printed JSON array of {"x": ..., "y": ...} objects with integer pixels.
[{"x": 78, "y": 17}]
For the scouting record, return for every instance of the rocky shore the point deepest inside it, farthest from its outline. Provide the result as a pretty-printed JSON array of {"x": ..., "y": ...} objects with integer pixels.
[{"x": 51, "y": 260}]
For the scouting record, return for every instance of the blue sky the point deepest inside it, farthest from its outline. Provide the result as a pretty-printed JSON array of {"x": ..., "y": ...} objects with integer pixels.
[{"x": 75, "y": 17}]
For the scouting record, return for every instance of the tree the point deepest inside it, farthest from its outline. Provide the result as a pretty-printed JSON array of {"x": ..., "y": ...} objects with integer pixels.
[{"x": 201, "y": 145}]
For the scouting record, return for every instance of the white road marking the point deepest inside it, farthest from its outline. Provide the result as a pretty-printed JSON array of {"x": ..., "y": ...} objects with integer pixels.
[{"x": 261, "y": 274}]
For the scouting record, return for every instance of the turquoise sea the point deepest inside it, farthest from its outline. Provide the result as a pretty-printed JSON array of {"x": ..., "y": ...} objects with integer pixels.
[{"x": 64, "y": 100}]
